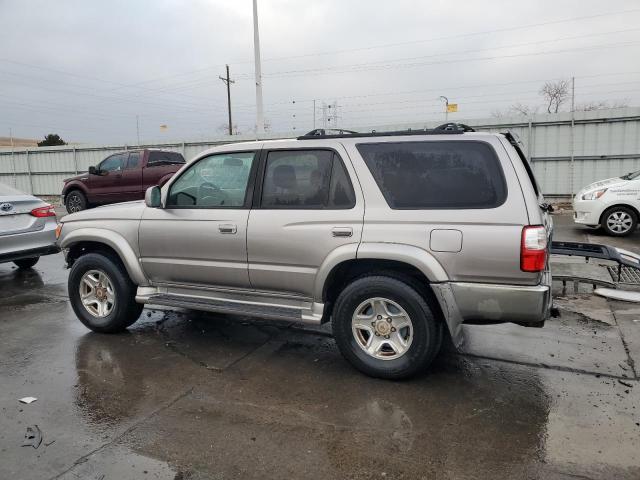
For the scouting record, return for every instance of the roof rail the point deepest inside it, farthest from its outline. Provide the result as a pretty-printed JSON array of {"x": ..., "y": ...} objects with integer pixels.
[
  {"x": 454, "y": 127},
  {"x": 318, "y": 132},
  {"x": 444, "y": 129}
]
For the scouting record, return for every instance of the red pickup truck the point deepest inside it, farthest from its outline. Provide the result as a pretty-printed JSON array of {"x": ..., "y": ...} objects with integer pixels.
[{"x": 120, "y": 177}]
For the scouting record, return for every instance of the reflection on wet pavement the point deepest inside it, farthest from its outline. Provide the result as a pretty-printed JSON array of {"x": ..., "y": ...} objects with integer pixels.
[{"x": 187, "y": 395}]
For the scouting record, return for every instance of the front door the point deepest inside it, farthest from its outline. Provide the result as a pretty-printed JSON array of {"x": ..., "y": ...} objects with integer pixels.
[
  {"x": 307, "y": 208},
  {"x": 199, "y": 237},
  {"x": 130, "y": 187},
  {"x": 105, "y": 186}
]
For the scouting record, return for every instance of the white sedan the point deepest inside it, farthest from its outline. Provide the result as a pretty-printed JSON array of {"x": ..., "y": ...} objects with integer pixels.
[
  {"x": 613, "y": 204},
  {"x": 27, "y": 228}
]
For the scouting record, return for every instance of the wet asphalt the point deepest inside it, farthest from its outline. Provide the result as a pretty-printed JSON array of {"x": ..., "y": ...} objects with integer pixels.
[{"x": 186, "y": 395}]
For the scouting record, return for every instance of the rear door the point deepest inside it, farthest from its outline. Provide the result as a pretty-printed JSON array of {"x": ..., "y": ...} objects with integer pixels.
[{"x": 308, "y": 204}]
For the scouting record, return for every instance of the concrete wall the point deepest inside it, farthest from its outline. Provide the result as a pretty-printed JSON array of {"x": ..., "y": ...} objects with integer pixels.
[{"x": 603, "y": 144}]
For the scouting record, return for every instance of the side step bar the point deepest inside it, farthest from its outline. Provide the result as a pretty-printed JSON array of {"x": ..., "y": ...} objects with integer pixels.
[
  {"x": 230, "y": 307},
  {"x": 595, "y": 250}
]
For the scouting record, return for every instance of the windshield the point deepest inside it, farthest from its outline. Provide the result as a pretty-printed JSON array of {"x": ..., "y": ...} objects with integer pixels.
[{"x": 631, "y": 176}]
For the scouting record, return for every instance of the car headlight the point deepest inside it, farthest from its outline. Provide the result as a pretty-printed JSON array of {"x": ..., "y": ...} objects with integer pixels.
[{"x": 594, "y": 194}]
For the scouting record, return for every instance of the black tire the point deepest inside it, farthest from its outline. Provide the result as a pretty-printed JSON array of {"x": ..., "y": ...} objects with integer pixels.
[
  {"x": 427, "y": 330},
  {"x": 125, "y": 310},
  {"x": 75, "y": 201},
  {"x": 25, "y": 263},
  {"x": 624, "y": 214}
]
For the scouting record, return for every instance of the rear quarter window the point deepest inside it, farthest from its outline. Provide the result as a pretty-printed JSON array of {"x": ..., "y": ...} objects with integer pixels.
[{"x": 436, "y": 174}]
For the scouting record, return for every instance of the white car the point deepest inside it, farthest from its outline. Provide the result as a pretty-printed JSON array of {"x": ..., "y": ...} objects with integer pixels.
[
  {"x": 27, "y": 228},
  {"x": 613, "y": 204}
]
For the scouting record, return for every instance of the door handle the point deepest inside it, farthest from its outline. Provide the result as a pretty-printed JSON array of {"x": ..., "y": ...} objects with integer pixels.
[
  {"x": 342, "y": 231},
  {"x": 227, "y": 228}
]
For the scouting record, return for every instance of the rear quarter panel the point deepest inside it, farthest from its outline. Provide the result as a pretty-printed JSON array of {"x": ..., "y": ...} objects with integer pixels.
[{"x": 490, "y": 250}]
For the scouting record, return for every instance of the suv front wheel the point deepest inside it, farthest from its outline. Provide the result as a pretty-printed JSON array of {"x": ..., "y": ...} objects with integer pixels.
[
  {"x": 101, "y": 293},
  {"x": 385, "y": 328}
]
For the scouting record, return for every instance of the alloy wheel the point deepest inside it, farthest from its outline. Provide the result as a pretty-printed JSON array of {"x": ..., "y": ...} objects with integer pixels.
[
  {"x": 382, "y": 328},
  {"x": 97, "y": 294},
  {"x": 619, "y": 222}
]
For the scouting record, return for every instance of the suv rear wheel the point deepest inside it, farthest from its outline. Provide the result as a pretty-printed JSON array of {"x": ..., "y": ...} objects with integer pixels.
[
  {"x": 385, "y": 328},
  {"x": 102, "y": 294},
  {"x": 619, "y": 221}
]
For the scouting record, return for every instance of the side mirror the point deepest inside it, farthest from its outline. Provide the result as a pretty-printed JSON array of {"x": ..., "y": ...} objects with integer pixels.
[
  {"x": 152, "y": 197},
  {"x": 93, "y": 170}
]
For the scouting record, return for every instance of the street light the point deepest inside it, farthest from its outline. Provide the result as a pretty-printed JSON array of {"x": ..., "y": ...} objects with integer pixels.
[{"x": 446, "y": 108}]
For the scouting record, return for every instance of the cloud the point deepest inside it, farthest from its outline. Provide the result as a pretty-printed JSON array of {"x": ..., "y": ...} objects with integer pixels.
[{"x": 87, "y": 69}]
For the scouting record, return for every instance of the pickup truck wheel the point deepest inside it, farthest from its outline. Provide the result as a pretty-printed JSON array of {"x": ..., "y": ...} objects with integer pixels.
[
  {"x": 385, "y": 328},
  {"x": 75, "y": 201},
  {"x": 619, "y": 221},
  {"x": 25, "y": 263},
  {"x": 102, "y": 295}
]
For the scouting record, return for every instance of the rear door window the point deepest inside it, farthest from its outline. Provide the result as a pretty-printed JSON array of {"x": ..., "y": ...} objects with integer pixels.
[
  {"x": 436, "y": 174},
  {"x": 306, "y": 179}
]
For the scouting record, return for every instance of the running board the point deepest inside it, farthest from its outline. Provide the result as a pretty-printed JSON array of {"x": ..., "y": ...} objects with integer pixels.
[{"x": 234, "y": 308}]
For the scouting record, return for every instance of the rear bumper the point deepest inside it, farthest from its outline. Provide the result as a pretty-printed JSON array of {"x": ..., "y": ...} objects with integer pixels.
[
  {"x": 29, "y": 244},
  {"x": 491, "y": 303},
  {"x": 34, "y": 252}
]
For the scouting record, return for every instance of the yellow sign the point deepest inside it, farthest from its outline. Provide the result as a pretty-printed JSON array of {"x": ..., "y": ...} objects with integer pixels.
[{"x": 452, "y": 107}]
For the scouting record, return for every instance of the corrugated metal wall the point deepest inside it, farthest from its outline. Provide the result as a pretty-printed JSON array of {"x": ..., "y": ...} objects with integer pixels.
[{"x": 606, "y": 143}]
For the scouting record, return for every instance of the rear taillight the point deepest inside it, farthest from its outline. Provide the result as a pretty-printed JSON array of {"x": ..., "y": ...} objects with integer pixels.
[
  {"x": 533, "y": 249},
  {"x": 46, "y": 211}
]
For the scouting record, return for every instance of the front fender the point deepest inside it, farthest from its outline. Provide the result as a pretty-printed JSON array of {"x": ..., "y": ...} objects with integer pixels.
[{"x": 113, "y": 240}]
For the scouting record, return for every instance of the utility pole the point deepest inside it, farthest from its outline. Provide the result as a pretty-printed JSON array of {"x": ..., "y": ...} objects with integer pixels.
[
  {"x": 314, "y": 114},
  {"x": 573, "y": 123},
  {"x": 258, "y": 72},
  {"x": 227, "y": 81},
  {"x": 138, "y": 129},
  {"x": 446, "y": 108}
]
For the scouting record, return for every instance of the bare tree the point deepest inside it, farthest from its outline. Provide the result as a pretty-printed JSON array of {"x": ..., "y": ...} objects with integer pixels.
[
  {"x": 555, "y": 94},
  {"x": 519, "y": 109},
  {"x": 515, "y": 110}
]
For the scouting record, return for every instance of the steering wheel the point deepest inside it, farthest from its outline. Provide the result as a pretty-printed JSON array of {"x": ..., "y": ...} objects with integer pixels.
[{"x": 213, "y": 197}]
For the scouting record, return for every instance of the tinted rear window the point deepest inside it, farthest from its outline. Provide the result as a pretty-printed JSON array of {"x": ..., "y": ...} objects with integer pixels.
[
  {"x": 436, "y": 175},
  {"x": 159, "y": 158}
]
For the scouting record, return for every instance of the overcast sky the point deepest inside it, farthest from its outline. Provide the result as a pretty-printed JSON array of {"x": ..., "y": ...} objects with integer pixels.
[{"x": 85, "y": 69}]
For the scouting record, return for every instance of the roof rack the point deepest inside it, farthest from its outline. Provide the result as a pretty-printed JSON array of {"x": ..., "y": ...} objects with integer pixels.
[{"x": 444, "y": 129}]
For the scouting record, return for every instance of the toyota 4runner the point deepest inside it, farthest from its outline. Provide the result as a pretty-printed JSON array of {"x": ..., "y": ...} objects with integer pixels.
[{"x": 397, "y": 238}]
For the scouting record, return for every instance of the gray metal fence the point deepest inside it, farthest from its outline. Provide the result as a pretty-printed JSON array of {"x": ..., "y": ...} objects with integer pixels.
[{"x": 567, "y": 151}]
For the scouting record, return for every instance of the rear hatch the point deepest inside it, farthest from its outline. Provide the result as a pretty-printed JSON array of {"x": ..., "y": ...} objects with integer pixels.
[{"x": 15, "y": 214}]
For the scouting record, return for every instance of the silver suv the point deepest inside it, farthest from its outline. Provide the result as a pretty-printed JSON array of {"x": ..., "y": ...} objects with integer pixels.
[{"x": 397, "y": 238}]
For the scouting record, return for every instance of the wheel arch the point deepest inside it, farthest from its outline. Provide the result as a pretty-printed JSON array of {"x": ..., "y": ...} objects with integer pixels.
[
  {"x": 74, "y": 186},
  {"x": 86, "y": 240},
  {"x": 617, "y": 205}
]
